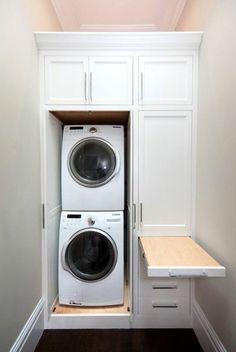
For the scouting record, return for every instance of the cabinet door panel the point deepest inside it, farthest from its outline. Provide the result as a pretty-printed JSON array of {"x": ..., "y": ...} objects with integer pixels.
[
  {"x": 66, "y": 80},
  {"x": 110, "y": 80},
  {"x": 165, "y": 172},
  {"x": 165, "y": 80}
]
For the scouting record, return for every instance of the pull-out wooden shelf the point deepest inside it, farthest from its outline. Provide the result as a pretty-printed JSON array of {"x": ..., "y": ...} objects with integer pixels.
[{"x": 178, "y": 257}]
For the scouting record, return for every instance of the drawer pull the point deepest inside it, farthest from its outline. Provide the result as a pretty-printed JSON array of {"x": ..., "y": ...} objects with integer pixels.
[
  {"x": 164, "y": 287},
  {"x": 190, "y": 273},
  {"x": 164, "y": 305}
]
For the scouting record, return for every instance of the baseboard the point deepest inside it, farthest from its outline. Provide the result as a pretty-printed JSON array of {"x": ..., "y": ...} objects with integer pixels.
[
  {"x": 31, "y": 332},
  {"x": 206, "y": 335},
  {"x": 86, "y": 321}
]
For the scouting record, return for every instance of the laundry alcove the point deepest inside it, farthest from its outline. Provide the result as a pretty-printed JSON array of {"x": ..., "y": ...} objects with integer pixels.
[{"x": 53, "y": 123}]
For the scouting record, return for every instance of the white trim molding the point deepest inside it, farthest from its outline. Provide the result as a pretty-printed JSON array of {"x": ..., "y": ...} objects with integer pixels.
[
  {"x": 206, "y": 335},
  {"x": 89, "y": 321},
  {"x": 31, "y": 332},
  {"x": 86, "y": 27},
  {"x": 118, "y": 40}
]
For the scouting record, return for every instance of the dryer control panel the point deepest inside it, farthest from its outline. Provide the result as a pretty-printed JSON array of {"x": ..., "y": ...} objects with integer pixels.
[{"x": 82, "y": 220}]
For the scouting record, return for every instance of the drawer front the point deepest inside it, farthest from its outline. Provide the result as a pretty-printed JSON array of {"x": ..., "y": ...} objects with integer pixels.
[
  {"x": 164, "y": 288},
  {"x": 169, "y": 307}
]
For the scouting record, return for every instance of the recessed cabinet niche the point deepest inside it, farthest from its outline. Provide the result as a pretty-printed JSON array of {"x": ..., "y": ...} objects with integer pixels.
[{"x": 88, "y": 80}]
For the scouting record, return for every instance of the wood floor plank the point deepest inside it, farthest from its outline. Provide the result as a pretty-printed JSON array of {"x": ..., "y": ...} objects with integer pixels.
[{"x": 119, "y": 340}]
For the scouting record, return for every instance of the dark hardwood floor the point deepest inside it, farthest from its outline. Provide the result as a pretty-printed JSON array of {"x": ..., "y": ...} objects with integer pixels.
[{"x": 119, "y": 340}]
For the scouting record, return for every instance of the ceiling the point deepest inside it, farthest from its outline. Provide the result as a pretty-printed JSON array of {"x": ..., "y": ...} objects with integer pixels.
[{"x": 118, "y": 15}]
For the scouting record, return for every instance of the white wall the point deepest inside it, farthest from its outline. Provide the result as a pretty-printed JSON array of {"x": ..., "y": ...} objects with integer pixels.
[
  {"x": 20, "y": 205},
  {"x": 216, "y": 160},
  {"x": 118, "y": 15}
]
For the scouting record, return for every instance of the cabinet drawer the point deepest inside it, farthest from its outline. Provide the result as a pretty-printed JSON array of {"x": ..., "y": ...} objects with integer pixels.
[
  {"x": 172, "y": 307},
  {"x": 164, "y": 288}
]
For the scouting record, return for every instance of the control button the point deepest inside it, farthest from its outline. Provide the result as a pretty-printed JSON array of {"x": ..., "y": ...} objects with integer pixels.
[
  {"x": 93, "y": 130},
  {"x": 91, "y": 221}
]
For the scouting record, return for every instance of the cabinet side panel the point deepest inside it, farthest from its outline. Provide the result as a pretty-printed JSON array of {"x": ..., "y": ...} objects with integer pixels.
[{"x": 52, "y": 202}]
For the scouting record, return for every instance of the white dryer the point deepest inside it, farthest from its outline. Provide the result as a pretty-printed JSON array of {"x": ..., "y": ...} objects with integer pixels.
[
  {"x": 93, "y": 168},
  {"x": 91, "y": 258}
]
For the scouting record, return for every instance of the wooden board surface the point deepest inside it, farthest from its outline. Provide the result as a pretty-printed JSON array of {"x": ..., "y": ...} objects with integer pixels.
[
  {"x": 92, "y": 117},
  {"x": 62, "y": 309},
  {"x": 175, "y": 251}
]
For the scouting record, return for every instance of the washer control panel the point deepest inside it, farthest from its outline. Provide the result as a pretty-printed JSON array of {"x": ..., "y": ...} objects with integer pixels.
[{"x": 102, "y": 131}]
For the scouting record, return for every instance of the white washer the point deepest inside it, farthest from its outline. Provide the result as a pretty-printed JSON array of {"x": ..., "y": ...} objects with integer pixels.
[
  {"x": 93, "y": 168},
  {"x": 91, "y": 258}
]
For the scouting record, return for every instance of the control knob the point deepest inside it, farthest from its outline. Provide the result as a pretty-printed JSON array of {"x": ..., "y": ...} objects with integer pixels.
[
  {"x": 93, "y": 130},
  {"x": 91, "y": 221}
]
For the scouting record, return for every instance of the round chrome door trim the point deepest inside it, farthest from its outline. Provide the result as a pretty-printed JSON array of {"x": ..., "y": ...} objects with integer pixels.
[
  {"x": 117, "y": 160},
  {"x": 67, "y": 243}
]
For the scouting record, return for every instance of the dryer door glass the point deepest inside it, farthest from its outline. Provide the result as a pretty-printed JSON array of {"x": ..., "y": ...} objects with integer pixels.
[
  {"x": 91, "y": 255},
  {"x": 92, "y": 162}
]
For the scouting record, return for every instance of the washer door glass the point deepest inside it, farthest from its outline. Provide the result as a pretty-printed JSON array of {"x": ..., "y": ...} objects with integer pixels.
[
  {"x": 91, "y": 255},
  {"x": 92, "y": 162}
]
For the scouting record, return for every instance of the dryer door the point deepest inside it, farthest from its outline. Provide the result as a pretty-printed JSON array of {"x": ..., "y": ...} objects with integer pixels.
[
  {"x": 93, "y": 162},
  {"x": 90, "y": 255}
]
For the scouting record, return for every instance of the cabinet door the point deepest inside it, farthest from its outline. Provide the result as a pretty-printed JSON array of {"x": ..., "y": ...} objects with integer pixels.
[
  {"x": 66, "y": 80},
  {"x": 165, "y": 80},
  {"x": 110, "y": 80},
  {"x": 165, "y": 172}
]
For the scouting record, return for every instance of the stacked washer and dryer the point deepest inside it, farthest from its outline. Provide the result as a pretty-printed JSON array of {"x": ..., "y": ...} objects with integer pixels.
[{"x": 91, "y": 239}]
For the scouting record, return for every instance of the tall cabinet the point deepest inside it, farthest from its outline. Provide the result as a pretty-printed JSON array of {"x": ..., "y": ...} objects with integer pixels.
[
  {"x": 165, "y": 172},
  {"x": 148, "y": 81}
]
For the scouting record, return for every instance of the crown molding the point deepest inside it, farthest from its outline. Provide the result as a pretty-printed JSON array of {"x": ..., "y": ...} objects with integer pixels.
[
  {"x": 118, "y": 40},
  {"x": 145, "y": 27}
]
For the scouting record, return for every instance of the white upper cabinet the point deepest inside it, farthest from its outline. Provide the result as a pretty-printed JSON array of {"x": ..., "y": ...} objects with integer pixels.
[
  {"x": 110, "y": 80},
  {"x": 165, "y": 172},
  {"x": 66, "y": 79},
  {"x": 88, "y": 80},
  {"x": 165, "y": 80}
]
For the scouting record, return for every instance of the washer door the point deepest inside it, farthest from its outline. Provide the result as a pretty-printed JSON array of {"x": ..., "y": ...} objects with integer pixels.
[
  {"x": 90, "y": 255},
  {"x": 93, "y": 162}
]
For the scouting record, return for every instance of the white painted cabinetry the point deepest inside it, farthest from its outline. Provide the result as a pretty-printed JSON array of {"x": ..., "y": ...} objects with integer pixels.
[
  {"x": 66, "y": 79},
  {"x": 165, "y": 80},
  {"x": 88, "y": 80},
  {"x": 152, "y": 79},
  {"x": 165, "y": 172},
  {"x": 165, "y": 300},
  {"x": 111, "y": 80}
]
